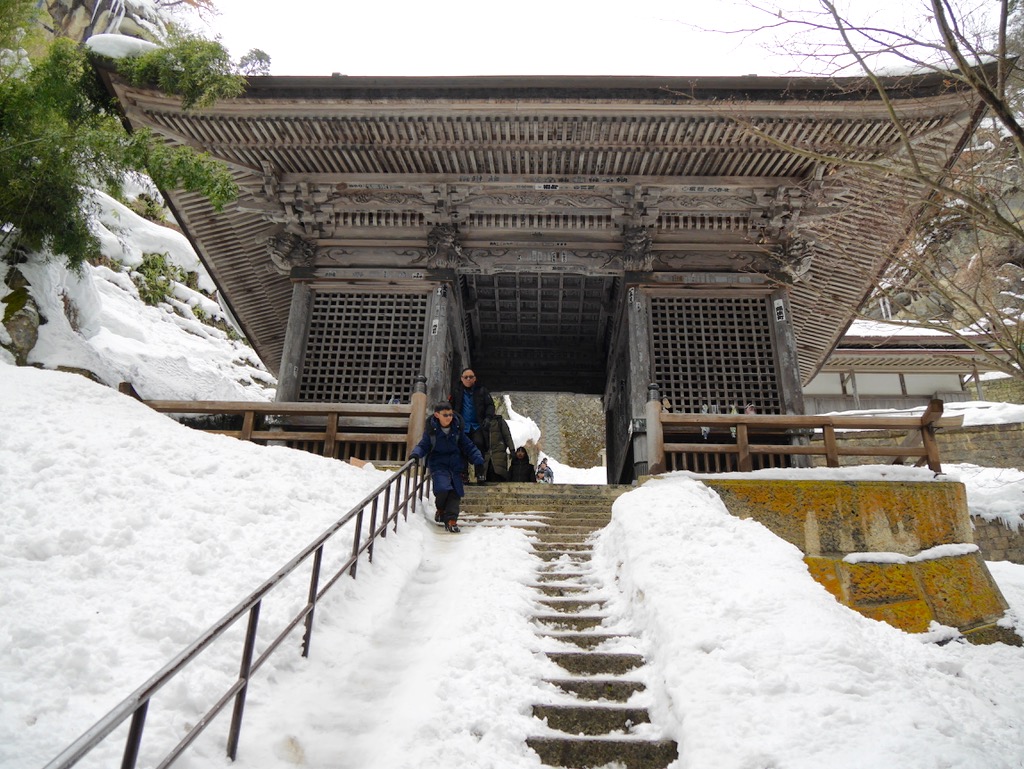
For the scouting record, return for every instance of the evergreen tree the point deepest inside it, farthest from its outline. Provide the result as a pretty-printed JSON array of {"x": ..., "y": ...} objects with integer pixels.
[{"x": 60, "y": 135}]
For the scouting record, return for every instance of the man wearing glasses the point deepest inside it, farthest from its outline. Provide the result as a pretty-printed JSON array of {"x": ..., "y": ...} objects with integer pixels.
[
  {"x": 472, "y": 401},
  {"x": 446, "y": 447}
]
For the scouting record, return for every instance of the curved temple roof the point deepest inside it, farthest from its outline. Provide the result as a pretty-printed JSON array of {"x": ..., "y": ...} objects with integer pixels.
[{"x": 674, "y": 180}]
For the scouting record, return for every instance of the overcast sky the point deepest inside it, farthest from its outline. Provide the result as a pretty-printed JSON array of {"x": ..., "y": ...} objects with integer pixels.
[
  {"x": 541, "y": 37},
  {"x": 470, "y": 37}
]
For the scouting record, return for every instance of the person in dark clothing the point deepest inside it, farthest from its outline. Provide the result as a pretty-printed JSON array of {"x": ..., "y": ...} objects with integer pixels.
[
  {"x": 499, "y": 446},
  {"x": 520, "y": 470},
  {"x": 444, "y": 448},
  {"x": 544, "y": 473},
  {"x": 472, "y": 401}
]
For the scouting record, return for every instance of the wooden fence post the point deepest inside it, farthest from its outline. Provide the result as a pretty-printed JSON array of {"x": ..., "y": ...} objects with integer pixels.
[
  {"x": 931, "y": 446},
  {"x": 744, "y": 462},
  {"x": 418, "y": 414}
]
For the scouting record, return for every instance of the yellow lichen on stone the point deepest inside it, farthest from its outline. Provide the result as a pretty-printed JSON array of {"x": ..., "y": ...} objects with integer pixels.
[
  {"x": 876, "y": 583},
  {"x": 911, "y": 616},
  {"x": 960, "y": 591},
  {"x": 824, "y": 572},
  {"x": 822, "y": 517}
]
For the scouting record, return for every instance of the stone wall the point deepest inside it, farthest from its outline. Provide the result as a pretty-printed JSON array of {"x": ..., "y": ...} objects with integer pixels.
[
  {"x": 998, "y": 542},
  {"x": 985, "y": 445},
  {"x": 571, "y": 426},
  {"x": 1003, "y": 390}
]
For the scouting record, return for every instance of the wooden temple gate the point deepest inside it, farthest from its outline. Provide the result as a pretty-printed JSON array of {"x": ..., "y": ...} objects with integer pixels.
[{"x": 586, "y": 235}]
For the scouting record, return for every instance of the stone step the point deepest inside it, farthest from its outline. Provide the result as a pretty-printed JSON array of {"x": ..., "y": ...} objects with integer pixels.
[
  {"x": 595, "y": 689},
  {"x": 591, "y": 720},
  {"x": 568, "y": 621},
  {"x": 579, "y": 753},
  {"x": 564, "y": 591},
  {"x": 596, "y": 663},
  {"x": 572, "y": 605},
  {"x": 572, "y": 539},
  {"x": 549, "y": 575},
  {"x": 503, "y": 500},
  {"x": 564, "y": 547},
  {"x": 552, "y": 491},
  {"x": 555, "y": 533},
  {"x": 583, "y": 640},
  {"x": 527, "y": 512},
  {"x": 576, "y": 556}
]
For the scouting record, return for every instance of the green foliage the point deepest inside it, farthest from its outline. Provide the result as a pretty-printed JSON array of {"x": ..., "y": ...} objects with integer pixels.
[
  {"x": 59, "y": 137},
  {"x": 181, "y": 167},
  {"x": 155, "y": 278},
  {"x": 199, "y": 71},
  {"x": 53, "y": 142},
  {"x": 256, "y": 62},
  {"x": 16, "y": 19},
  {"x": 148, "y": 208},
  {"x": 14, "y": 302}
]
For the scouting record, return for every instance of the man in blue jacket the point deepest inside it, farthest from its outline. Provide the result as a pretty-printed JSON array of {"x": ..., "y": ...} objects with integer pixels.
[
  {"x": 473, "y": 403},
  {"x": 445, "y": 447}
]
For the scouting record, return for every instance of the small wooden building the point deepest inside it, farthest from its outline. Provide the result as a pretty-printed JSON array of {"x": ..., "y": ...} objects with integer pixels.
[{"x": 581, "y": 234}]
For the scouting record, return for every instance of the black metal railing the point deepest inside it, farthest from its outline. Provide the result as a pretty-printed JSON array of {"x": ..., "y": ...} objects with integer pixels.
[{"x": 392, "y": 500}]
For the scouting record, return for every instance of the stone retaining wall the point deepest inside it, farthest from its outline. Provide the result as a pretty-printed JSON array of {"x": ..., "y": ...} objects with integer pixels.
[
  {"x": 897, "y": 576},
  {"x": 984, "y": 445}
]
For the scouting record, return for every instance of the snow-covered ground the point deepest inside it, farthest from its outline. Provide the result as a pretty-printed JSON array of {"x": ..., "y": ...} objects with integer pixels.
[{"x": 125, "y": 535}]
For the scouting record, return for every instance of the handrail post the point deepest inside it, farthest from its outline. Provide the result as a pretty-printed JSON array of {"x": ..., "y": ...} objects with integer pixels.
[
  {"x": 243, "y": 675},
  {"x": 417, "y": 414},
  {"x": 655, "y": 432},
  {"x": 357, "y": 536},
  {"x": 387, "y": 511},
  {"x": 399, "y": 499},
  {"x": 373, "y": 529},
  {"x": 410, "y": 490},
  {"x": 134, "y": 740},
  {"x": 314, "y": 584}
]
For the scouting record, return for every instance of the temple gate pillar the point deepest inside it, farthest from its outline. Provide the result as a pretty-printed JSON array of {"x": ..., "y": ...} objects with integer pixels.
[
  {"x": 791, "y": 392},
  {"x": 294, "y": 343},
  {"x": 438, "y": 345},
  {"x": 638, "y": 335}
]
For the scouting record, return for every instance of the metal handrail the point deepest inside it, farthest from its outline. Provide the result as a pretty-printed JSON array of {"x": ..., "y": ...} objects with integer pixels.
[{"x": 136, "y": 705}]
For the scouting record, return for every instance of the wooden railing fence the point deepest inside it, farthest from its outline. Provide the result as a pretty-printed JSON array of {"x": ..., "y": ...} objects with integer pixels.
[
  {"x": 717, "y": 443},
  {"x": 369, "y": 431}
]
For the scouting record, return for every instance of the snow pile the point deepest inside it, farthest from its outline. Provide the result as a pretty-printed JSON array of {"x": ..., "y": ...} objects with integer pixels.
[
  {"x": 740, "y": 634},
  {"x": 95, "y": 320}
]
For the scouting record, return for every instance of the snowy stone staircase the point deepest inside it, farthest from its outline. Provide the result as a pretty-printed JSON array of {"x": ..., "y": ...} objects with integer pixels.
[{"x": 592, "y": 714}]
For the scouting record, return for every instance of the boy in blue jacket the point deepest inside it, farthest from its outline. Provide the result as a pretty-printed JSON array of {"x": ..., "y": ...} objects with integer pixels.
[{"x": 445, "y": 447}]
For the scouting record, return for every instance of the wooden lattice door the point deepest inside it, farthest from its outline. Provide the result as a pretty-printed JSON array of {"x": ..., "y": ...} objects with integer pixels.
[
  {"x": 714, "y": 352},
  {"x": 363, "y": 347}
]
